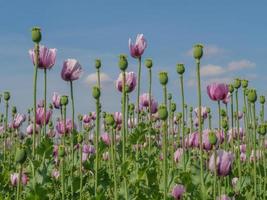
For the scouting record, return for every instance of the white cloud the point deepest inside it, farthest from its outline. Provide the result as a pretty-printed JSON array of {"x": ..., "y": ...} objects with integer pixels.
[
  {"x": 209, "y": 50},
  {"x": 91, "y": 79},
  {"x": 241, "y": 64},
  {"x": 212, "y": 70}
]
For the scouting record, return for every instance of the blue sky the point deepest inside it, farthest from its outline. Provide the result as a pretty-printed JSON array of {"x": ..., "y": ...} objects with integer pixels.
[{"x": 233, "y": 33}]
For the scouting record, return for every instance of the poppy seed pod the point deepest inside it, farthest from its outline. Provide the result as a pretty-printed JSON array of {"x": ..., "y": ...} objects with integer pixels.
[
  {"x": 223, "y": 113},
  {"x": 6, "y": 95},
  {"x": 252, "y": 95},
  {"x": 261, "y": 129},
  {"x": 36, "y": 34},
  {"x": 20, "y": 156},
  {"x": 237, "y": 83},
  {"x": 231, "y": 88},
  {"x": 79, "y": 138},
  {"x": 173, "y": 107},
  {"x": 149, "y": 63},
  {"x": 179, "y": 115},
  {"x": 212, "y": 138},
  {"x": 163, "y": 112},
  {"x": 123, "y": 63},
  {"x": 61, "y": 151},
  {"x": 109, "y": 119},
  {"x": 64, "y": 100},
  {"x": 14, "y": 110},
  {"x": 163, "y": 78},
  {"x": 198, "y": 51},
  {"x": 244, "y": 83},
  {"x": 97, "y": 63},
  {"x": 180, "y": 69},
  {"x": 262, "y": 99},
  {"x": 169, "y": 96},
  {"x": 96, "y": 92}
]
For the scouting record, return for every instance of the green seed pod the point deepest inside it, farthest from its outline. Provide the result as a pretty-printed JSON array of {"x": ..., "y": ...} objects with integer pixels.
[
  {"x": 262, "y": 99},
  {"x": 173, "y": 107},
  {"x": 163, "y": 112},
  {"x": 6, "y": 95},
  {"x": 212, "y": 138},
  {"x": 262, "y": 129},
  {"x": 231, "y": 88},
  {"x": 79, "y": 138},
  {"x": 20, "y": 156},
  {"x": 252, "y": 95},
  {"x": 97, "y": 63},
  {"x": 163, "y": 78},
  {"x": 198, "y": 51},
  {"x": 61, "y": 151},
  {"x": 123, "y": 63},
  {"x": 237, "y": 83},
  {"x": 149, "y": 63},
  {"x": 36, "y": 34},
  {"x": 191, "y": 109},
  {"x": 180, "y": 69},
  {"x": 169, "y": 96},
  {"x": 244, "y": 83},
  {"x": 208, "y": 110},
  {"x": 96, "y": 92},
  {"x": 14, "y": 110},
  {"x": 179, "y": 115},
  {"x": 64, "y": 100},
  {"x": 223, "y": 113},
  {"x": 109, "y": 119},
  {"x": 225, "y": 123}
]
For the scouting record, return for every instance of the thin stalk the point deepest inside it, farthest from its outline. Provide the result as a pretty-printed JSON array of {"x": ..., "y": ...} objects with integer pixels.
[
  {"x": 200, "y": 129},
  {"x": 138, "y": 88},
  {"x": 165, "y": 161},
  {"x": 232, "y": 119},
  {"x": 183, "y": 118},
  {"x": 96, "y": 143},
  {"x": 81, "y": 174},
  {"x": 113, "y": 147},
  {"x": 45, "y": 89},
  {"x": 72, "y": 135},
  {"x": 62, "y": 179},
  {"x": 238, "y": 134},
  {"x": 150, "y": 112},
  {"x": 19, "y": 182},
  {"x": 255, "y": 154},
  {"x": 6, "y": 120}
]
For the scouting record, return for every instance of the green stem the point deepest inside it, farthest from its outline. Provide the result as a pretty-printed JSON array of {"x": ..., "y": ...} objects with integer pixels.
[
  {"x": 98, "y": 78},
  {"x": 138, "y": 88},
  {"x": 45, "y": 88},
  {"x": 200, "y": 128},
  {"x": 232, "y": 119},
  {"x": 183, "y": 118},
  {"x": 19, "y": 182},
  {"x": 6, "y": 132},
  {"x": 238, "y": 134},
  {"x": 215, "y": 171},
  {"x": 81, "y": 174},
  {"x": 150, "y": 112},
  {"x": 113, "y": 148},
  {"x": 72, "y": 135},
  {"x": 36, "y": 58},
  {"x": 96, "y": 143},
  {"x": 255, "y": 153},
  {"x": 165, "y": 164},
  {"x": 62, "y": 179}
]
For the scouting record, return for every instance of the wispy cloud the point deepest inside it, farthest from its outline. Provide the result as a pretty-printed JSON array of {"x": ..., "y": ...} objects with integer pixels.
[
  {"x": 91, "y": 79},
  {"x": 239, "y": 65}
]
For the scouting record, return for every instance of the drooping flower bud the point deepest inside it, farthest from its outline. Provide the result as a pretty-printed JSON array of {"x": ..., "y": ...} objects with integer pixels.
[
  {"x": 36, "y": 34},
  {"x": 163, "y": 112},
  {"x": 97, "y": 63},
  {"x": 149, "y": 63},
  {"x": 96, "y": 92},
  {"x": 123, "y": 63},
  {"x": 198, "y": 51},
  {"x": 163, "y": 78},
  {"x": 64, "y": 100},
  {"x": 180, "y": 69}
]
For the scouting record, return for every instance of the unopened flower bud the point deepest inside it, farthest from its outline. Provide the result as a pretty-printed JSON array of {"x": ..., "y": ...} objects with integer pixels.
[
  {"x": 36, "y": 34},
  {"x": 212, "y": 138},
  {"x": 231, "y": 88},
  {"x": 252, "y": 95},
  {"x": 223, "y": 113},
  {"x": 64, "y": 100},
  {"x": 262, "y": 99},
  {"x": 244, "y": 83},
  {"x": 123, "y": 63},
  {"x": 148, "y": 63},
  {"x": 61, "y": 151},
  {"x": 261, "y": 129},
  {"x": 237, "y": 83},
  {"x": 163, "y": 78},
  {"x": 169, "y": 96},
  {"x": 109, "y": 119},
  {"x": 14, "y": 110},
  {"x": 180, "y": 69},
  {"x": 96, "y": 92},
  {"x": 163, "y": 112},
  {"x": 97, "y": 63},
  {"x": 6, "y": 95},
  {"x": 20, "y": 156},
  {"x": 225, "y": 123},
  {"x": 173, "y": 107},
  {"x": 198, "y": 51}
]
